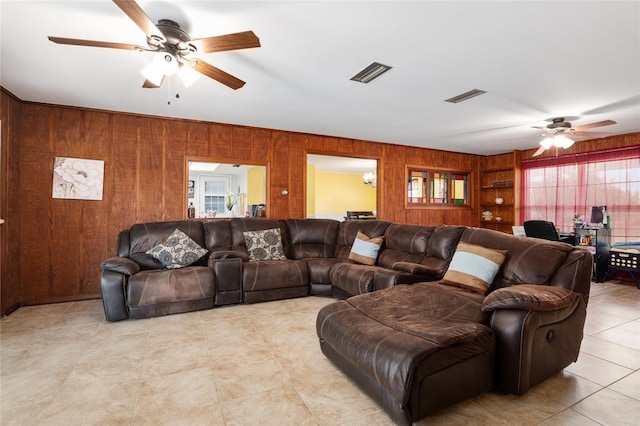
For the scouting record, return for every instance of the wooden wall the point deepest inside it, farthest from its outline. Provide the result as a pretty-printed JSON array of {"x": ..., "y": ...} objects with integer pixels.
[
  {"x": 56, "y": 248},
  {"x": 10, "y": 113}
]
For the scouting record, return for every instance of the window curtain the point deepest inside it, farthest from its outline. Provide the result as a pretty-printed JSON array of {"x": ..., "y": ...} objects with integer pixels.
[{"x": 559, "y": 188}]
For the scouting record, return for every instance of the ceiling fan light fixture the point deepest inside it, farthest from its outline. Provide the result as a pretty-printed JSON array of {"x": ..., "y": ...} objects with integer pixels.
[
  {"x": 188, "y": 75},
  {"x": 547, "y": 142},
  {"x": 166, "y": 63},
  {"x": 153, "y": 74},
  {"x": 561, "y": 141}
]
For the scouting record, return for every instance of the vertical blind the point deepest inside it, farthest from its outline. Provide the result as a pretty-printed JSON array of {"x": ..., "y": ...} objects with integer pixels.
[{"x": 558, "y": 188}]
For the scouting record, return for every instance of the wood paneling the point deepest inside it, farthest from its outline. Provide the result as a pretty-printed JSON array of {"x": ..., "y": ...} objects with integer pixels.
[
  {"x": 10, "y": 118},
  {"x": 62, "y": 242}
]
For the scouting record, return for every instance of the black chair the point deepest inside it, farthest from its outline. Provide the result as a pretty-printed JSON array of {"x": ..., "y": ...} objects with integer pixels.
[{"x": 545, "y": 230}]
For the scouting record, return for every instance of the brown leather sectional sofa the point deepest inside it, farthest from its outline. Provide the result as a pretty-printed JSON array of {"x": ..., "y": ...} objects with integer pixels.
[
  {"x": 412, "y": 341},
  {"x": 136, "y": 285}
]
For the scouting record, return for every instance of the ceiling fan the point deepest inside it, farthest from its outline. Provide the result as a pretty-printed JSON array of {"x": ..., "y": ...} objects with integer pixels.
[
  {"x": 175, "y": 48},
  {"x": 559, "y": 131}
]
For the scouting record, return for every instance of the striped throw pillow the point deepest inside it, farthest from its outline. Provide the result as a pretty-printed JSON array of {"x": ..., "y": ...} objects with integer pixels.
[
  {"x": 474, "y": 267},
  {"x": 365, "y": 250}
]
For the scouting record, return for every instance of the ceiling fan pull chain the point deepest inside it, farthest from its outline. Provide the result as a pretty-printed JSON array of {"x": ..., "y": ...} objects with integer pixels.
[{"x": 169, "y": 91}]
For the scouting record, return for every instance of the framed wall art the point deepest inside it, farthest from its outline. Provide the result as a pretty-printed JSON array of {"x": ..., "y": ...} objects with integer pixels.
[{"x": 77, "y": 179}]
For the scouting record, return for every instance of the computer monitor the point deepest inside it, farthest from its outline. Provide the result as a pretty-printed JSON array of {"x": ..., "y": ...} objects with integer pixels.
[{"x": 598, "y": 213}]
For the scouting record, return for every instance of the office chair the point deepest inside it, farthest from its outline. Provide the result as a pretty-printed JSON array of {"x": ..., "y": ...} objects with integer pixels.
[{"x": 545, "y": 230}]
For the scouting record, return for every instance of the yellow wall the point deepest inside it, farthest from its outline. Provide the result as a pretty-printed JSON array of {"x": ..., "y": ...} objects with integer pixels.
[
  {"x": 256, "y": 185},
  {"x": 311, "y": 190},
  {"x": 338, "y": 192}
]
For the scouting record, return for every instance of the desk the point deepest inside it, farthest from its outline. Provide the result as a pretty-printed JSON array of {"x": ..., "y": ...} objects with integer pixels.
[{"x": 567, "y": 237}]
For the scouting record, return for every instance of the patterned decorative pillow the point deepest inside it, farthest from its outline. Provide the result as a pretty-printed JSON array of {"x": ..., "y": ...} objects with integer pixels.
[
  {"x": 474, "y": 267},
  {"x": 365, "y": 250},
  {"x": 177, "y": 251},
  {"x": 264, "y": 245}
]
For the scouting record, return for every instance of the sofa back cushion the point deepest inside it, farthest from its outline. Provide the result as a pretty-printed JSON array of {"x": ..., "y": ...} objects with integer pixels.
[
  {"x": 217, "y": 235},
  {"x": 528, "y": 260},
  {"x": 575, "y": 273},
  {"x": 145, "y": 236},
  {"x": 312, "y": 238},
  {"x": 348, "y": 230},
  {"x": 240, "y": 225},
  {"x": 404, "y": 243},
  {"x": 442, "y": 246}
]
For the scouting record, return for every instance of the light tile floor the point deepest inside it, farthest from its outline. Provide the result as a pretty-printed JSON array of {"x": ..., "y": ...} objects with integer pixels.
[{"x": 261, "y": 364}]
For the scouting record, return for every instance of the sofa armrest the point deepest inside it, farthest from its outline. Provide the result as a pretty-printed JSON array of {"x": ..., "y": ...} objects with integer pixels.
[
  {"x": 228, "y": 280},
  {"x": 121, "y": 265},
  {"x": 416, "y": 269},
  {"x": 538, "y": 332},
  {"x": 387, "y": 278},
  {"x": 228, "y": 254},
  {"x": 112, "y": 286},
  {"x": 530, "y": 297}
]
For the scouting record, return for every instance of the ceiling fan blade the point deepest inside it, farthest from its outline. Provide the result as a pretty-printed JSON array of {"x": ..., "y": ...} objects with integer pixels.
[
  {"x": 243, "y": 40},
  {"x": 539, "y": 151},
  {"x": 149, "y": 85},
  {"x": 93, "y": 43},
  {"x": 592, "y": 135},
  {"x": 137, "y": 15},
  {"x": 217, "y": 74},
  {"x": 596, "y": 124}
]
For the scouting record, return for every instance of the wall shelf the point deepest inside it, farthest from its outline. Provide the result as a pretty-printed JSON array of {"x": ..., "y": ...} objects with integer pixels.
[{"x": 500, "y": 178}]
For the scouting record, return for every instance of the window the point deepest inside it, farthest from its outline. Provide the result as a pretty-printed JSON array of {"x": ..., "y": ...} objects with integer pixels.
[
  {"x": 213, "y": 191},
  {"x": 437, "y": 187},
  {"x": 559, "y": 188}
]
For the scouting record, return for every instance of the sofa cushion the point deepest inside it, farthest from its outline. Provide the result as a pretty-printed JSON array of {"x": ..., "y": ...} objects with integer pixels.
[
  {"x": 217, "y": 234},
  {"x": 528, "y": 261},
  {"x": 320, "y": 269},
  {"x": 473, "y": 267},
  {"x": 144, "y": 236},
  {"x": 398, "y": 336},
  {"x": 352, "y": 278},
  {"x": 177, "y": 251},
  {"x": 348, "y": 230},
  {"x": 265, "y": 244},
  {"x": 312, "y": 238},
  {"x": 274, "y": 274},
  {"x": 365, "y": 250},
  {"x": 239, "y": 225},
  {"x": 160, "y": 286},
  {"x": 404, "y": 243},
  {"x": 442, "y": 245}
]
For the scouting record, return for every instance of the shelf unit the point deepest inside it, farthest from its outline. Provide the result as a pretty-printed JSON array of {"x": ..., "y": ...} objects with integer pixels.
[
  {"x": 598, "y": 242},
  {"x": 500, "y": 178}
]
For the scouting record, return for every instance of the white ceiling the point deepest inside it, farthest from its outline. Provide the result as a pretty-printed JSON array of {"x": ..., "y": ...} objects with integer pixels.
[
  {"x": 335, "y": 164},
  {"x": 536, "y": 60}
]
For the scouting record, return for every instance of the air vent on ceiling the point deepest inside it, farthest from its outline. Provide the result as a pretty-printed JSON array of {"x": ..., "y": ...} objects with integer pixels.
[
  {"x": 465, "y": 96},
  {"x": 369, "y": 73}
]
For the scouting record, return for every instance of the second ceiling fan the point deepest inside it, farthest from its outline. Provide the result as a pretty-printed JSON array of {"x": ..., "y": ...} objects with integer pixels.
[
  {"x": 559, "y": 131},
  {"x": 175, "y": 47}
]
